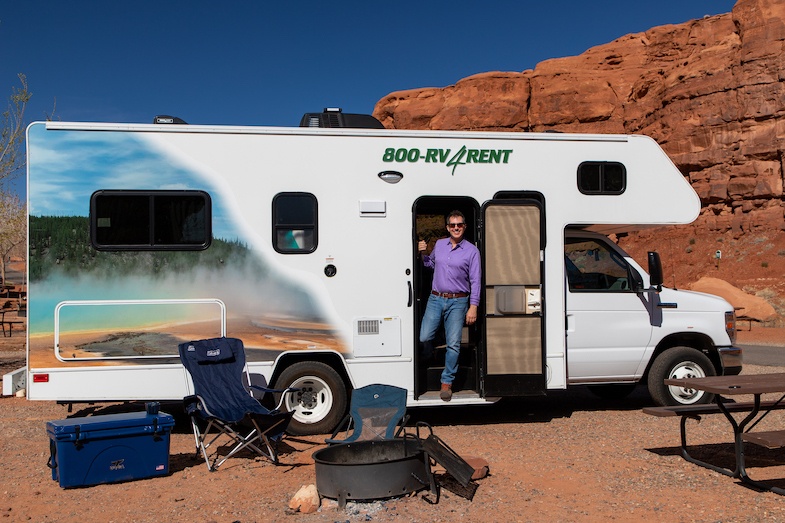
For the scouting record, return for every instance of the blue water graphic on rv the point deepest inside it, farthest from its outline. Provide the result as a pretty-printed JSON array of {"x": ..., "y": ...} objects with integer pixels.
[
  {"x": 243, "y": 290},
  {"x": 78, "y": 318}
]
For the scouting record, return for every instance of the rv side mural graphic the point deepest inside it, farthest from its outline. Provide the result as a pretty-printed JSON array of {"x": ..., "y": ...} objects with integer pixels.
[{"x": 90, "y": 307}]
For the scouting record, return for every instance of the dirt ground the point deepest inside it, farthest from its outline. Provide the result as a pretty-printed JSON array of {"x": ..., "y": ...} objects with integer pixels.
[{"x": 566, "y": 457}]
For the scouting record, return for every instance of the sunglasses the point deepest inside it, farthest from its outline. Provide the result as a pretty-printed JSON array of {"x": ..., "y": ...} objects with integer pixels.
[{"x": 456, "y": 225}]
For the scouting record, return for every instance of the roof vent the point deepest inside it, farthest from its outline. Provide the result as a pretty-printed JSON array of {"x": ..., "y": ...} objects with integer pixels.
[
  {"x": 166, "y": 120},
  {"x": 334, "y": 117}
]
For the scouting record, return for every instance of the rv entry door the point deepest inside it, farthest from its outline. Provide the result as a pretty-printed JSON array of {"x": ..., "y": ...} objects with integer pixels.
[{"x": 512, "y": 249}]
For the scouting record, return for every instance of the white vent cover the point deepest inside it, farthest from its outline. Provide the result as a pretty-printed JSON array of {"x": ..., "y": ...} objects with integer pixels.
[
  {"x": 366, "y": 327},
  {"x": 373, "y": 208}
]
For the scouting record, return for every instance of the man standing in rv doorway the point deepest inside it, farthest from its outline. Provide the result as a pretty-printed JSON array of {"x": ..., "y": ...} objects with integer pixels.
[{"x": 455, "y": 294}]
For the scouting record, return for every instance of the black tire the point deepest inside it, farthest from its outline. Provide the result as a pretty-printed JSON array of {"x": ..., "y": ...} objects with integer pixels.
[
  {"x": 679, "y": 362},
  {"x": 613, "y": 391},
  {"x": 320, "y": 405}
]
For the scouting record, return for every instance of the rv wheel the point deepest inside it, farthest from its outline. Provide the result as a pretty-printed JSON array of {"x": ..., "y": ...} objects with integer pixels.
[
  {"x": 321, "y": 402},
  {"x": 679, "y": 362}
]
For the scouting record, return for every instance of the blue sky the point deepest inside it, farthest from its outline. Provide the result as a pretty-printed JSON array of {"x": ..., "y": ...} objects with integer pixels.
[{"x": 267, "y": 63}]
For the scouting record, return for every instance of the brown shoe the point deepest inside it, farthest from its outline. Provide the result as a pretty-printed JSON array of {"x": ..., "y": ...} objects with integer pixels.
[{"x": 446, "y": 393}]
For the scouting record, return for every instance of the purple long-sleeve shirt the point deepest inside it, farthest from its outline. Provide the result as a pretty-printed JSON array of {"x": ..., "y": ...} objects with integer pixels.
[{"x": 455, "y": 269}]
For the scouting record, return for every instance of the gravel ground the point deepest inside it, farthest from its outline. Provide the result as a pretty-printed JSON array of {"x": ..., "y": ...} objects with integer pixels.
[{"x": 566, "y": 457}]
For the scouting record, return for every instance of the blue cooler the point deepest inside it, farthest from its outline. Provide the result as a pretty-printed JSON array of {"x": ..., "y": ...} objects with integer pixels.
[{"x": 106, "y": 449}]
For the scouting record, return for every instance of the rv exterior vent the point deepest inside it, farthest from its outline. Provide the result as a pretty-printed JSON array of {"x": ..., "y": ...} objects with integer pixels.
[
  {"x": 374, "y": 337},
  {"x": 332, "y": 118},
  {"x": 164, "y": 119},
  {"x": 365, "y": 327}
]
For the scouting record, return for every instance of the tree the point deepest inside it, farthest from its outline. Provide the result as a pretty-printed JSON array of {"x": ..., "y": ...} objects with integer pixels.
[
  {"x": 13, "y": 215},
  {"x": 13, "y": 230},
  {"x": 12, "y": 133}
]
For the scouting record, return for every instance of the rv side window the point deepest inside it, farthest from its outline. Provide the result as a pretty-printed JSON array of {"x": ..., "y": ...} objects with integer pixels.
[
  {"x": 294, "y": 223},
  {"x": 602, "y": 178},
  {"x": 592, "y": 266},
  {"x": 150, "y": 220}
]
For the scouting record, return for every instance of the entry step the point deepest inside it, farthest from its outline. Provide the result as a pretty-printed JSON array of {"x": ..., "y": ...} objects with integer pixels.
[{"x": 460, "y": 394}]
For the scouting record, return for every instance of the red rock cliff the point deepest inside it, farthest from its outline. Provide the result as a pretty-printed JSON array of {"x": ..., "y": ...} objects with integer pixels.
[{"x": 710, "y": 91}]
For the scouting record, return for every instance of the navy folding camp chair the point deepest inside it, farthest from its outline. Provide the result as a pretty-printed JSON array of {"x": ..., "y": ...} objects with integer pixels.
[
  {"x": 374, "y": 413},
  {"x": 222, "y": 401}
]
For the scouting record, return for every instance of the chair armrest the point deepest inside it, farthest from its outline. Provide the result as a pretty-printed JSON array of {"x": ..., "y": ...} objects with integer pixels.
[
  {"x": 345, "y": 421},
  {"x": 402, "y": 425},
  {"x": 284, "y": 392},
  {"x": 267, "y": 389},
  {"x": 192, "y": 404}
]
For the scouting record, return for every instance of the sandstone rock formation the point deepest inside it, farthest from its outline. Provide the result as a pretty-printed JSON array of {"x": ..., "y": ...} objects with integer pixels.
[
  {"x": 710, "y": 91},
  {"x": 752, "y": 307}
]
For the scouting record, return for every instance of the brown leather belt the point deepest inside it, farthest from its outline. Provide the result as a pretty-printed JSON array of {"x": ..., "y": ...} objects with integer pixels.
[{"x": 450, "y": 294}]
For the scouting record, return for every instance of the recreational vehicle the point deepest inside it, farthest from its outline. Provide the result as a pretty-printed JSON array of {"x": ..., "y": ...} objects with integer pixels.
[{"x": 303, "y": 243}]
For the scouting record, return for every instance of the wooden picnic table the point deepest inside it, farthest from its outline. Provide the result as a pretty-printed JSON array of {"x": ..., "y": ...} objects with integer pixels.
[
  {"x": 725, "y": 388},
  {"x": 9, "y": 322}
]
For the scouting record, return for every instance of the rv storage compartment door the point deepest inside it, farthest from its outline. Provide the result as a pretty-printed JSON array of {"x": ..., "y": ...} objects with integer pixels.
[{"x": 377, "y": 337}]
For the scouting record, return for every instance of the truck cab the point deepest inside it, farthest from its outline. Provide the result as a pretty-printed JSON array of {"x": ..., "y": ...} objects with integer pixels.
[{"x": 624, "y": 328}]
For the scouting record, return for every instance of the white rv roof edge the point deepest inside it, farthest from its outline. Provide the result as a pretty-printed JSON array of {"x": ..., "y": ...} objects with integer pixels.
[{"x": 227, "y": 129}]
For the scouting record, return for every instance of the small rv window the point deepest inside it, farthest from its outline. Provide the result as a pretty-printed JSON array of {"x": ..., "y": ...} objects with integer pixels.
[
  {"x": 294, "y": 223},
  {"x": 150, "y": 220},
  {"x": 602, "y": 178}
]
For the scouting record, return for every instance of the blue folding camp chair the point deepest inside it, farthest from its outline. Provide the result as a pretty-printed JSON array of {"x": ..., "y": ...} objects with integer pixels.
[
  {"x": 374, "y": 413},
  {"x": 222, "y": 401}
]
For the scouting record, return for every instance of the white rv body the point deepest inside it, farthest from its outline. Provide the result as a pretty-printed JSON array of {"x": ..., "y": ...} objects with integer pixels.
[{"x": 347, "y": 292}]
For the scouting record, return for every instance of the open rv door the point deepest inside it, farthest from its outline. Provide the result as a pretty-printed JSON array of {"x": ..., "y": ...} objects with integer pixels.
[{"x": 512, "y": 252}]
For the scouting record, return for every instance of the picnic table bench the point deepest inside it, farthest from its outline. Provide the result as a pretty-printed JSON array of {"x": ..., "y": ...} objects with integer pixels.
[
  {"x": 9, "y": 322},
  {"x": 723, "y": 387},
  {"x": 769, "y": 439},
  {"x": 696, "y": 411}
]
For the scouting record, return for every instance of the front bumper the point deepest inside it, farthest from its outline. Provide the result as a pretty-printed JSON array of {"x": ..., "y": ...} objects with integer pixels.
[{"x": 731, "y": 360}]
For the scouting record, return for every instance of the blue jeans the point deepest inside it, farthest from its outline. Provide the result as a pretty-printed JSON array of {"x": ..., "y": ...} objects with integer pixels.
[{"x": 453, "y": 312}]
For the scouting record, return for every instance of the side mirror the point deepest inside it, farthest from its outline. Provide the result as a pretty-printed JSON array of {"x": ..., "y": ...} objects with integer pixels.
[{"x": 655, "y": 270}]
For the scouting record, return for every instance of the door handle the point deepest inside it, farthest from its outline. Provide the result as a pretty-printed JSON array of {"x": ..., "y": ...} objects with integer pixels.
[{"x": 411, "y": 294}]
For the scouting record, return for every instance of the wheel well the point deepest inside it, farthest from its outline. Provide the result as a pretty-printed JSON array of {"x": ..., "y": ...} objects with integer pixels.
[
  {"x": 696, "y": 341},
  {"x": 332, "y": 359}
]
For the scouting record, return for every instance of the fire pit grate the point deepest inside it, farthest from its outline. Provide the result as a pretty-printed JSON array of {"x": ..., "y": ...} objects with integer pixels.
[
  {"x": 378, "y": 469},
  {"x": 374, "y": 469}
]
